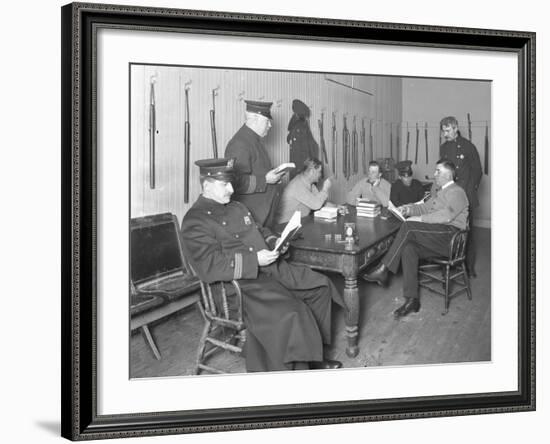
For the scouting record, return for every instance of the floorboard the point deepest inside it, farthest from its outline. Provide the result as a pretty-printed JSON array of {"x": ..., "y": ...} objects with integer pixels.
[{"x": 426, "y": 337}]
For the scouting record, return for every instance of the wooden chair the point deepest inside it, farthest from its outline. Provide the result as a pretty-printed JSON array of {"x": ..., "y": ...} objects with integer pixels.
[
  {"x": 453, "y": 270},
  {"x": 224, "y": 330}
]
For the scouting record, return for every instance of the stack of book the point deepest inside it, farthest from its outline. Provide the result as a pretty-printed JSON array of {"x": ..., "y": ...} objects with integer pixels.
[
  {"x": 367, "y": 208},
  {"x": 327, "y": 213}
]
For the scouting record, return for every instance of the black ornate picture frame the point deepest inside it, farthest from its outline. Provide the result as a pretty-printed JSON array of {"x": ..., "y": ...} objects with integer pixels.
[{"x": 80, "y": 418}]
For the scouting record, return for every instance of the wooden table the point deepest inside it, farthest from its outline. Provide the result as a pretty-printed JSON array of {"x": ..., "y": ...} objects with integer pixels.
[{"x": 374, "y": 238}]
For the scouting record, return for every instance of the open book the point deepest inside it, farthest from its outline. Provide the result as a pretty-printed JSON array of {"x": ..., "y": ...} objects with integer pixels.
[
  {"x": 284, "y": 167},
  {"x": 291, "y": 228},
  {"x": 395, "y": 211}
]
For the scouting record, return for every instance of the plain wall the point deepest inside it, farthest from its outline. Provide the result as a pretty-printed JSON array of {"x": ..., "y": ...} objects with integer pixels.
[
  {"x": 427, "y": 101},
  {"x": 30, "y": 184}
]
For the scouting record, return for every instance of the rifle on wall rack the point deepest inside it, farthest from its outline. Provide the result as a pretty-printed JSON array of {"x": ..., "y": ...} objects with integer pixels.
[
  {"x": 371, "y": 141},
  {"x": 355, "y": 146},
  {"x": 426, "y": 139},
  {"x": 152, "y": 134},
  {"x": 416, "y": 147},
  {"x": 187, "y": 147},
  {"x": 364, "y": 143},
  {"x": 322, "y": 138},
  {"x": 213, "y": 123},
  {"x": 391, "y": 140},
  {"x": 345, "y": 148},
  {"x": 486, "y": 159},
  {"x": 334, "y": 143},
  {"x": 407, "y": 144}
]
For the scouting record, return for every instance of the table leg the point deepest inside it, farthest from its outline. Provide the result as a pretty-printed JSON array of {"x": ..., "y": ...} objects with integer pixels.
[{"x": 351, "y": 297}]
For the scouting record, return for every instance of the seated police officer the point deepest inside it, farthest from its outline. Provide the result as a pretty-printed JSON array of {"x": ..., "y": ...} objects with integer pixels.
[
  {"x": 286, "y": 308},
  {"x": 405, "y": 190}
]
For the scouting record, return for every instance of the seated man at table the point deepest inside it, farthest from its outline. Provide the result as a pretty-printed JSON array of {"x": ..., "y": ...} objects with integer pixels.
[
  {"x": 405, "y": 190},
  {"x": 301, "y": 194},
  {"x": 374, "y": 187},
  {"x": 286, "y": 308},
  {"x": 426, "y": 233}
]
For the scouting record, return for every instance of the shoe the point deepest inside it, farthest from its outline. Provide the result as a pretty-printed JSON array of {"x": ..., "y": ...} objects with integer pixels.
[
  {"x": 411, "y": 305},
  {"x": 378, "y": 275},
  {"x": 326, "y": 364}
]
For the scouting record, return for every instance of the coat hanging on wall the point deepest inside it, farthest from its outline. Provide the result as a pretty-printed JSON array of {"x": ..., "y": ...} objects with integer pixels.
[{"x": 301, "y": 141}]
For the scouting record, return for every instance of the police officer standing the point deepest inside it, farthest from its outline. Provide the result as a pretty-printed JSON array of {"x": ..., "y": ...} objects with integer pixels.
[
  {"x": 256, "y": 182},
  {"x": 464, "y": 155}
]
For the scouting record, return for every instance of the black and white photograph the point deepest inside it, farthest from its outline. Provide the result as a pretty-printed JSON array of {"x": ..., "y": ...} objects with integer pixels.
[
  {"x": 276, "y": 222},
  {"x": 293, "y": 221}
]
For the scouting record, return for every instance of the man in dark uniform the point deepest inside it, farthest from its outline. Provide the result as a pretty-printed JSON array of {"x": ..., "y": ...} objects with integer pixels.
[
  {"x": 426, "y": 233},
  {"x": 256, "y": 181},
  {"x": 464, "y": 155},
  {"x": 405, "y": 189},
  {"x": 286, "y": 308}
]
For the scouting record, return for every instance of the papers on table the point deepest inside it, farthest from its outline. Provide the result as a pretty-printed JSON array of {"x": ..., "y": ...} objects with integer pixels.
[
  {"x": 291, "y": 228},
  {"x": 327, "y": 213}
]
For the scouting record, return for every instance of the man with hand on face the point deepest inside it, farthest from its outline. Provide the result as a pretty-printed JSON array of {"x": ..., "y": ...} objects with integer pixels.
[
  {"x": 426, "y": 233},
  {"x": 286, "y": 308},
  {"x": 374, "y": 187},
  {"x": 256, "y": 181},
  {"x": 405, "y": 189},
  {"x": 301, "y": 193}
]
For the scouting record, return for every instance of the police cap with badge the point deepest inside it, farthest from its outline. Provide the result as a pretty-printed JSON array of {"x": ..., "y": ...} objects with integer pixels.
[
  {"x": 257, "y": 107},
  {"x": 404, "y": 168},
  {"x": 219, "y": 169}
]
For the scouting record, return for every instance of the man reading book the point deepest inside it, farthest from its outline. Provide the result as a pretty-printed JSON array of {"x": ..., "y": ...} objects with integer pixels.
[
  {"x": 426, "y": 233},
  {"x": 286, "y": 307},
  {"x": 256, "y": 183}
]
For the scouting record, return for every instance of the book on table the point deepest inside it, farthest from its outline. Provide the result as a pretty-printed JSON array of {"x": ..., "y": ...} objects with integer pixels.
[
  {"x": 367, "y": 208},
  {"x": 326, "y": 213}
]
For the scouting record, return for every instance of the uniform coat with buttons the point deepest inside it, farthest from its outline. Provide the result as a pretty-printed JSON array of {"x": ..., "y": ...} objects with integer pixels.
[
  {"x": 251, "y": 165},
  {"x": 402, "y": 194},
  {"x": 286, "y": 308},
  {"x": 465, "y": 157}
]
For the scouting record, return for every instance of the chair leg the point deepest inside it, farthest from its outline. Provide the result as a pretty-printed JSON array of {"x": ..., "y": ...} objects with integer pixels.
[
  {"x": 466, "y": 281},
  {"x": 150, "y": 341},
  {"x": 447, "y": 271},
  {"x": 202, "y": 346}
]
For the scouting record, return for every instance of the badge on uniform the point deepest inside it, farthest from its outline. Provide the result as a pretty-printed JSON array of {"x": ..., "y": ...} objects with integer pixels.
[{"x": 247, "y": 220}]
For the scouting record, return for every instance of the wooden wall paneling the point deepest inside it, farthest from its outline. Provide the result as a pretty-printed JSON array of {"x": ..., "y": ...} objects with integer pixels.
[{"x": 235, "y": 86}]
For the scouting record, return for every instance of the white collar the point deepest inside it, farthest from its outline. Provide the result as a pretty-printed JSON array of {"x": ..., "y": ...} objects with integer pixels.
[{"x": 447, "y": 184}]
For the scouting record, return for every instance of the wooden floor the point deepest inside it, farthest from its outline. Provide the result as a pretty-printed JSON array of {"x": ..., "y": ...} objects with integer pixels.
[{"x": 426, "y": 337}]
